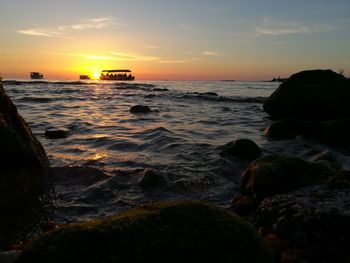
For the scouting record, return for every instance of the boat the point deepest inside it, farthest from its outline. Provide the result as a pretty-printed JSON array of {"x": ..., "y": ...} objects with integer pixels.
[
  {"x": 84, "y": 77},
  {"x": 36, "y": 75},
  {"x": 117, "y": 74}
]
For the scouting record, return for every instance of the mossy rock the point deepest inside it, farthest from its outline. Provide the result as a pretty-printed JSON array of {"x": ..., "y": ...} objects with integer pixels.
[
  {"x": 165, "y": 232},
  {"x": 277, "y": 174},
  {"x": 311, "y": 95}
]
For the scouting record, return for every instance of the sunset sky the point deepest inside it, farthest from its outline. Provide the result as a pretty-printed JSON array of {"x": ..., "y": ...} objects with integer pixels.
[{"x": 168, "y": 39}]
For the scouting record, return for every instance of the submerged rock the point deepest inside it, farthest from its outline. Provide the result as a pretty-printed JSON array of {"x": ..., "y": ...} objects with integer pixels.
[
  {"x": 151, "y": 180},
  {"x": 23, "y": 159},
  {"x": 164, "y": 232},
  {"x": 242, "y": 148},
  {"x": 57, "y": 133},
  {"x": 140, "y": 109},
  {"x": 311, "y": 95}
]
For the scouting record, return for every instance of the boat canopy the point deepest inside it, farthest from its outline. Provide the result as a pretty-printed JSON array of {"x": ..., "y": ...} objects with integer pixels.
[{"x": 115, "y": 70}]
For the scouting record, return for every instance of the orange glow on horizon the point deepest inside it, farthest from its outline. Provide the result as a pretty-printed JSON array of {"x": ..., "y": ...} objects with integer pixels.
[{"x": 96, "y": 75}]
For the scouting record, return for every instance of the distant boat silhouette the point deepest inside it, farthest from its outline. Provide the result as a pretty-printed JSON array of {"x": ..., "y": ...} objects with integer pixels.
[
  {"x": 84, "y": 77},
  {"x": 116, "y": 74},
  {"x": 36, "y": 75}
]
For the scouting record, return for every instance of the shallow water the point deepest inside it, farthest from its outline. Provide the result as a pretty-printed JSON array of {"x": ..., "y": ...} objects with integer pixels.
[{"x": 98, "y": 166}]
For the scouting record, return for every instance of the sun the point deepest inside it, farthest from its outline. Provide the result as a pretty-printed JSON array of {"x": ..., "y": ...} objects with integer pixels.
[{"x": 96, "y": 75}]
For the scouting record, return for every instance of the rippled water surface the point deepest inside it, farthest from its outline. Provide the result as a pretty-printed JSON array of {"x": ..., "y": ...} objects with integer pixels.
[{"x": 99, "y": 165}]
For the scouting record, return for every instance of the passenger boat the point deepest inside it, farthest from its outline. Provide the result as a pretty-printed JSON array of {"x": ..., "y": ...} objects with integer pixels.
[
  {"x": 117, "y": 74},
  {"x": 84, "y": 77},
  {"x": 36, "y": 75}
]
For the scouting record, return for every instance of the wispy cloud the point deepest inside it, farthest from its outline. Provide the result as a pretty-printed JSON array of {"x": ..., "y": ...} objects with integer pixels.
[
  {"x": 183, "y": 26},
  {"x": 60, "y": 31},
  {"x": 274, "y": 27},
  {"x": 172, "y": 61},
  {"x": 39, "y": 32},
  {"x": 209, "y": 53},
  {"x": 132, "y": 57}
]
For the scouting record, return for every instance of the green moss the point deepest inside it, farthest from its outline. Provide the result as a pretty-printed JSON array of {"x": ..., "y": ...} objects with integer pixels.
[{"x": 164, "y": 232}]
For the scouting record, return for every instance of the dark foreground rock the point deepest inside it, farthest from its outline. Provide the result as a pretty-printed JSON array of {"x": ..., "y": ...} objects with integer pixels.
[
  {"x": 242, "y": 148},
  {"x": 167, "y": 232},
  {"x": 331, "y": 132},
  {"x": 140, "y": 109},
  {"x": 23, "y": 160},
  {"x": 311, "y": 95},
  {"x": 277, "y": 174},
  {"x": 314, "y": 220}
]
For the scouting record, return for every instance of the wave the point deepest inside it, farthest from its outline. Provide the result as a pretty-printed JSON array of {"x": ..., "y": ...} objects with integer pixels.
[
  {"x": 138, "y": 86},
  {"x": 212, "y": 96},
  {"x": 36, "y": 99},
  {"x": 26, "y": 82}
]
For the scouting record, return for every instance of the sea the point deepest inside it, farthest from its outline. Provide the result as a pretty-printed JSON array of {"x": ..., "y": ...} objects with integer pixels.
[{"x": 98, "y": 167}]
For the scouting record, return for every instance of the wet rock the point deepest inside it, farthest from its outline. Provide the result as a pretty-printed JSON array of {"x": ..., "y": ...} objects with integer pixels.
[
  {"x": 328, "y": 158},
  {"x": 8, "y": 256},
  {"x": 140, "y": 109},
  {"x": 23, "y": 159},
  {"x": 151, "y": 180},
  {"x": 332, "y": 132},
  {"x": 340, "y": 180},
  {"x": 242, "y": 148},
  {"x": 164, "y": 232},
  {"x": 314, "y": 220},
  {"x": 311, "y": 95},
  {"x": 57, "y": 133},
  {"x": 277, "y": 174}
]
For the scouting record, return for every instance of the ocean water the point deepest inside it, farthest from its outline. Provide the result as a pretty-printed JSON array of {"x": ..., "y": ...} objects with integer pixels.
[{"x": 97, "y": 168}]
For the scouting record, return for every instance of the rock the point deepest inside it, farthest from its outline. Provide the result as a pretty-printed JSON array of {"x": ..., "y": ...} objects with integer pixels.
[
  {"x": 8, "y": 256},
  {"x": 328, "y": 158},
  {"x": 340, "y": 180},
  {"x": 140, "y": 109},
  {"x": 277, "y": 174},
  {"x": 332, "y": 132},
  {"x": 311, "y": 95},
  {"x": 242, "y": 148},
  {"x": 163, "y": 232},
  {"x": 315, "y": 220},
  {"x": 57, "y": 133},
  {"x": 151, "y": 180},
  {"x": 23, "y": 159}
]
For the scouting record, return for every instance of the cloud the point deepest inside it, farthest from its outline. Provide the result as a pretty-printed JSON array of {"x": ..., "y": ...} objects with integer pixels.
[
  {"x": 183, "y": 26},
  {"x": 59, "y": 31},
  {"x": 132, "y": 57},
  {"x": 278, "y": 30},
  {"x": 172, "y": 61},
  {"x": 274, "y": 27},
  {"x": 209, "y": 53},
  {"x": 38, "y": 32},
  {"x": 120, "y": 56}
]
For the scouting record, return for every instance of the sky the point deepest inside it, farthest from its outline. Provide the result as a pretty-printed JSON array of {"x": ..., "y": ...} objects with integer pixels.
[{"x": 174, "y": 40}]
